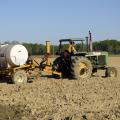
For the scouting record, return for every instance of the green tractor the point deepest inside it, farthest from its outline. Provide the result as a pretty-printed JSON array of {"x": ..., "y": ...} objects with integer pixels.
[{"x": 82, "y": 64}]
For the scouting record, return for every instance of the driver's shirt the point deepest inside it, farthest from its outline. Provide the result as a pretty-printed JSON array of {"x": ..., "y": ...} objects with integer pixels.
[{"x": 71, "y": 49}]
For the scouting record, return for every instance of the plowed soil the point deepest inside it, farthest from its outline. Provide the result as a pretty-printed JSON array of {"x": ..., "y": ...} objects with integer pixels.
[{"x": 46, "y": 98}]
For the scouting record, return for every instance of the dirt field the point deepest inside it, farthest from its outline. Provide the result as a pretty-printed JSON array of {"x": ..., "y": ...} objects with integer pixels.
[{"x": 96, "y": 98}]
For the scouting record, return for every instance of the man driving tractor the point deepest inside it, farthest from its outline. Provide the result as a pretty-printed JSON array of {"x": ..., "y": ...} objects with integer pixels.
[{"x": 71, "y": 47}]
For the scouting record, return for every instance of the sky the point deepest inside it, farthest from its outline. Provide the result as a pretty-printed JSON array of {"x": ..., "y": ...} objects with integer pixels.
[{"x": 35, "y": 21}]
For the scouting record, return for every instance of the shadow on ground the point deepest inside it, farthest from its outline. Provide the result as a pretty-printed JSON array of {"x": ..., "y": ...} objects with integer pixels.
[{"x": 6, "y": 79}]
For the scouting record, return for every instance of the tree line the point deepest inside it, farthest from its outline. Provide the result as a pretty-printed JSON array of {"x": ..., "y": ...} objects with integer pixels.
[{"x": 111, "y": 46}]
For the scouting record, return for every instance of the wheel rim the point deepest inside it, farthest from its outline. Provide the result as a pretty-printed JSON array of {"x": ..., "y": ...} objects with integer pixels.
[
  {"x": 19, "y": 78},
  {"x": 83, "y": 70},
  {"x": 112, "y": 74}
]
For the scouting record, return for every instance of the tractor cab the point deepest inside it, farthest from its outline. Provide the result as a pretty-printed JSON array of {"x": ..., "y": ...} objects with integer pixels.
[
  {"x": 76, "y": 46},
  {"x": 73, "y": 46}
]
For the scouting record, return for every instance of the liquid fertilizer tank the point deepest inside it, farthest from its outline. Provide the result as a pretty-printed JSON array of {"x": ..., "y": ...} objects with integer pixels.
[{"x": 13, "y": 55}]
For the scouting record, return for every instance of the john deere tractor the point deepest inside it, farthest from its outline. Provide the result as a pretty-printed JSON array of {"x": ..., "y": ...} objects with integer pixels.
[{"x": 82, "y": 64}]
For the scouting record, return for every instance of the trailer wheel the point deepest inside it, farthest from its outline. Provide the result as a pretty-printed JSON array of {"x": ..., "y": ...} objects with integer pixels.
[
  {"x": 111, "y": 72},
  {"x": 19, "y": 77}
]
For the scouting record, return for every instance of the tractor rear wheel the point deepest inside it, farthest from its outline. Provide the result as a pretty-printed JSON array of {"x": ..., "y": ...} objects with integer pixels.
[
  {"x": 81, "y": 68},
  {"x": 111, "y": 72},
  {"x": 19, "y": 77}
]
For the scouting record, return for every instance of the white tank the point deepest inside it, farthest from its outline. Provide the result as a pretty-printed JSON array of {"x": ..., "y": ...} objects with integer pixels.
[{"x": 13, "y": 55}]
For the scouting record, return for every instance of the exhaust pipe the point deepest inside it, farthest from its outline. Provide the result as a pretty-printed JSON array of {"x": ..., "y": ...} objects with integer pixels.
[
  {"x": 87, "y": 44},
  {"x": 90, "y": 42}
]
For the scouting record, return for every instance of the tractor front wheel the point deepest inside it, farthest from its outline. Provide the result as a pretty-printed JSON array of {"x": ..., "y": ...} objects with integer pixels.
[
  {"x": 19, "y": 77},
  {"x": 111, "y": 72}
]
